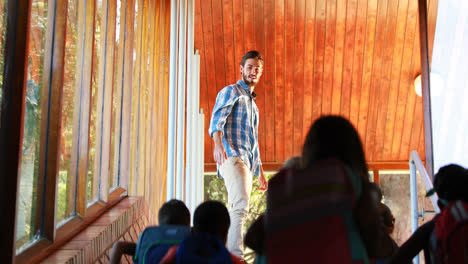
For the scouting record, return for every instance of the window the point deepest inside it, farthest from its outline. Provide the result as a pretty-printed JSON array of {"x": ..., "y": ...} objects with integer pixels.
[
  {"x": 93, "y": 181},
  {"x": 69, "y": 123},
  {"x": 133, "y": 186},
  {"x": 89, "y": 117},
  {"x": 117, "y": 96},
  {"x": 82, "y": 113},
  {"x": 27, "y": 221}
]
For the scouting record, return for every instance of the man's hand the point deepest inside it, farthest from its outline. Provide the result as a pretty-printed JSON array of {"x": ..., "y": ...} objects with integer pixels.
[
  {"x": 262, "y": 182},
  {"x": 219, "y": 153}
]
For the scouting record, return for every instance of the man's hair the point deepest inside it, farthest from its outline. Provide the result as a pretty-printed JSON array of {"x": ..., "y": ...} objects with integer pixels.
[
  {"x": 174, "y": 212},
  {"x": 212, "y": 217},
  {"x": 253, "y": 54},
  {"x": 451, "y": 183}
]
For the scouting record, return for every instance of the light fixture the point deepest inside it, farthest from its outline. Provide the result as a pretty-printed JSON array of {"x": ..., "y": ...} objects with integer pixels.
[{"x": 437, "y": 84}]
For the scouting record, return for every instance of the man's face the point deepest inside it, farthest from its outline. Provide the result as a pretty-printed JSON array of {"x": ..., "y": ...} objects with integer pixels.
[{"x": 251, "y": 71}]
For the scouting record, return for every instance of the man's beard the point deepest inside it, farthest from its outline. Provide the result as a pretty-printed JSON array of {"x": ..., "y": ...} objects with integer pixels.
[{"x": 245, "y": 78}]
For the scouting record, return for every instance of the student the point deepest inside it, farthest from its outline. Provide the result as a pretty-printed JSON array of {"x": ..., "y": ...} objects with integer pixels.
[
  {"x": 324, "y": 210},
  {"x": 335, "y": 137},
  {"x": 207, "y": 243},
  {"x": 450, "y": 184},
  {"x": 173, "y": 212},
  {"x": 387, "y": 247},
  {"x": 255, "y": 236}
]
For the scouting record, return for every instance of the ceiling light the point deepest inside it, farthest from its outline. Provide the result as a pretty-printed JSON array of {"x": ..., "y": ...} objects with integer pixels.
[{"x": 437, "y": 84}]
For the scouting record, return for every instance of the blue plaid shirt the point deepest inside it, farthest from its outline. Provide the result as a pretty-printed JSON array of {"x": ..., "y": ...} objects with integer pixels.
[{"x": 236, "y": 115}]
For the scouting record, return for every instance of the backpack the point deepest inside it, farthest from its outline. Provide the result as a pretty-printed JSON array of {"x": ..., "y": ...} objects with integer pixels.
[
  {"x": 309, "y": 216},
  {"x": 451, "y": 231},
  {"x": 155, "y": 241},
  {"x": 203, "y": 248}
]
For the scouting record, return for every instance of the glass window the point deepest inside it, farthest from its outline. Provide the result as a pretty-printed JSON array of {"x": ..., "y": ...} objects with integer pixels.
[
  {"x": 93, "y": 180},
  {"x": 27, "y": 224},
  {"x": 135, "y": 100},
  {"x": 66, "y": 183},
  {"x": 3, "y": 17},
  {"x": 116, "y": 98}
]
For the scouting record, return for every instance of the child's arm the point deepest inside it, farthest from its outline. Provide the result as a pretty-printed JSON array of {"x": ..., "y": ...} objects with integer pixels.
[
  {"x": 120, "y": 248},
  {"x": 414, "y": 244}
]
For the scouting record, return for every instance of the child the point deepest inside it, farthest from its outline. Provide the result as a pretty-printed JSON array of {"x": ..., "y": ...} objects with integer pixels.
[
  {"x": 207, "y": 243},
  {"x": 450, "y": 184},
  {"x": 173, "y": 212},
  {"x": 387, "y": 246},
  {"x": 255, "y": 236}
]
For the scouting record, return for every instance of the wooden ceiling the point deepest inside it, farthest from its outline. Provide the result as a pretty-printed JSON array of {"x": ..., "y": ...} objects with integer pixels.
[{"x": 355, "y": 58}]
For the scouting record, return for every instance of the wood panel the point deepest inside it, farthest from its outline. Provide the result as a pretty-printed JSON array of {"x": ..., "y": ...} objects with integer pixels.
[
  {"x": 288, "y": 78},
  {"x": 269, "y": 76},
  {"x": 298, "y": 77},
  {"x": 279, "y": 81},
  {"x": 355, "y": 58}
]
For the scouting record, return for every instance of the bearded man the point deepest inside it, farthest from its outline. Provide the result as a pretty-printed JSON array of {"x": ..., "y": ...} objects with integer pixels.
[{"x": 234, "y": 129}]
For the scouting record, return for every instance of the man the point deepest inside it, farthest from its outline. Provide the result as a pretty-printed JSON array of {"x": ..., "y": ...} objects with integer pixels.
[{"x": 234, "y": 129}]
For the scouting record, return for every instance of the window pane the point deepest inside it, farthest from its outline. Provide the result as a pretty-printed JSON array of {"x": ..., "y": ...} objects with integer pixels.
[
  {"x": 93, "y": 182},
  {"x": 27, "y": 224},
  {"x": 135, "y": 100},
  {"x": 66, "y": 183},
  {"x": 3, "y": 17},
  {"x": 116, "y": 100}
]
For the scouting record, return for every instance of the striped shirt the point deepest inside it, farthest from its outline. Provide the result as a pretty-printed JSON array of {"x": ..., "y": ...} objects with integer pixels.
[{"x": 236, "y": 115}]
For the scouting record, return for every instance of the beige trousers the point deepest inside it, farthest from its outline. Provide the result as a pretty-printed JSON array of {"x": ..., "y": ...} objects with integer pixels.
[{"x": 238, "y": 181}]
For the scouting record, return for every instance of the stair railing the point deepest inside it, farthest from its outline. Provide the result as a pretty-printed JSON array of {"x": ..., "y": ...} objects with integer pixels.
[{"x": 416, "y": 165}]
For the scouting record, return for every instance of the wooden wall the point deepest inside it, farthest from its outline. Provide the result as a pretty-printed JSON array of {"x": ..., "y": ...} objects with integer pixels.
[{"x": 355, "y": 58}]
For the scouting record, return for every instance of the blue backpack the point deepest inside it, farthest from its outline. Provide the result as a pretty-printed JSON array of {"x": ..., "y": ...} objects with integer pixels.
[{"x": 155, "y": 241}]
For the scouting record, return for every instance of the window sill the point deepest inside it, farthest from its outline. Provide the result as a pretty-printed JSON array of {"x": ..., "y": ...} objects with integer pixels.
[{"x": 94, "y": 241}]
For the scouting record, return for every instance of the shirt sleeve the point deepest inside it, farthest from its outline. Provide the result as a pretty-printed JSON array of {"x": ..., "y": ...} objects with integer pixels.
[{"x": 222, "y": 109}]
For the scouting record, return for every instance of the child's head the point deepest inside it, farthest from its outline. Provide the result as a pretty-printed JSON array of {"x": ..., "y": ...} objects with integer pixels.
[
  {"x": 293, "y": 163},
  {"x": 335, "y": 137},
  {"x": 451, "y": 183},
  {"x": 212, "y": 217},
  {"x": 375, "y": 188},
  {"x": 174, "y": 212},
  {"x": 388, "y": 220}
]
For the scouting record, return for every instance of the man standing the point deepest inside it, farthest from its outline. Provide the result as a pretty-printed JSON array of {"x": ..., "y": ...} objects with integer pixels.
[{"x": 234, "y": 129}]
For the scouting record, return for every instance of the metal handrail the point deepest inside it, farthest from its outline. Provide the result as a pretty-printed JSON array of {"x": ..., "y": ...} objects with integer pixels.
[{"x": 416, "y": 164}]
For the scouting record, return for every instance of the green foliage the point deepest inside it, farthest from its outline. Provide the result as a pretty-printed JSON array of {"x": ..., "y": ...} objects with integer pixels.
[{"x": 62, "y": 195}]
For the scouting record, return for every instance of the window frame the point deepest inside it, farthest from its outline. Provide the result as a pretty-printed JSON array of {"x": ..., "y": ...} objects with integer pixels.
[{"x": 16, "y": 54}]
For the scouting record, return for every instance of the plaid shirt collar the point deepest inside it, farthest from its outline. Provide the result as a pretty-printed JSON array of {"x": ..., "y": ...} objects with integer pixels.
[{"x": 246, "y": 88}]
